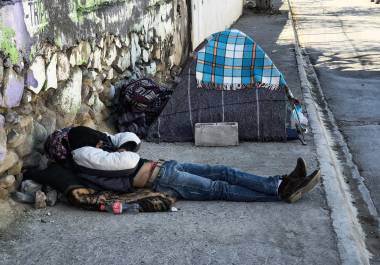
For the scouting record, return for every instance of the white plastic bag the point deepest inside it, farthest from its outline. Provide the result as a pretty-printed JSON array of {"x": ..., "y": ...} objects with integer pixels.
[{"x": 297, "y": 118}]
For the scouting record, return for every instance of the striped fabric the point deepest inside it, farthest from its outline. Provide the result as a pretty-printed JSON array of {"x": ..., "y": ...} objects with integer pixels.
[{"x": 231, "y": 60}]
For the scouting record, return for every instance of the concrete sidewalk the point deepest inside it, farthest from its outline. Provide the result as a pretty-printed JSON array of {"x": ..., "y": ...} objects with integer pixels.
[{"x": 201, "y": 232}]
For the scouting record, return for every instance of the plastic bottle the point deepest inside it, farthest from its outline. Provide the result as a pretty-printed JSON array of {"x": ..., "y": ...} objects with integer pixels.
[{"x": 117, "y": 207}]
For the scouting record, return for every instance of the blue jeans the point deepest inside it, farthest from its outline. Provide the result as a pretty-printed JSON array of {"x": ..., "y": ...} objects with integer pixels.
[{"x": 204, "y": 182}]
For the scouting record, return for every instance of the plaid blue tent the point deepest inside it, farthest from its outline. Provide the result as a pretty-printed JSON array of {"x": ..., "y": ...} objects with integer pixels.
[
  {"x": 231, "y": 60},
  {"x": 227, "y": 62}
]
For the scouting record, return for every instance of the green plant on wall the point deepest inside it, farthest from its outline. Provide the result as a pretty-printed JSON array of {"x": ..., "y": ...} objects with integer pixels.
[
  {"x": 8, "y": 44},
  {"x": 81, "y": 8},
  {"x": 89, "y": 6}
]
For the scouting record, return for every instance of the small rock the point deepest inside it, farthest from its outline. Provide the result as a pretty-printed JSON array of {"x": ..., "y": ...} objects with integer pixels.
[
  {"x": 9, "y": 161},
  {"x": 2, "y": 121},
  {"x": 7, "y": 181},
  {"x": 68, "y": 99},
  {"x": 27, "y": 147},
  {"x": 38, "y": 70},
  {"x": 96, "y": 60},
  {"x": 117, "y": 42},
  {"x": 49, "y": 121},
  {"x": 40, "y": 200},
  {"x": 26, "y": 109},
  {"x": 18, "y": 68},
  {"x": 16, "y": 137},
  {"x": 3, "y": 144},
  {"x": 16, "y": 169},
  {"x": 3, "y": 194},
  {"x": 48, "y": 213},
  {"x": 13, "y": 88},
  {"x": 30, "y": 80},
  {"x": 51, "y": 73},
  {"x": 108, "y": 94},
  {"x": 40, "y": 134},
  {"x": 90, "y": 124},
  {"x": 126, "y": 74},
  {"x": 110, "y": 74},
  {"x": 22, "y": 197},
  {"x": 98, "y": 105},
  {"x": 48, "y": 50},
  {"x": 151, "y": 69},
  {"x": 150, "y": 36},
  {"x": 142, "y": 36},
  {"x": 135, "y": 49},
  {"x": 145, "y": 55},
  {"x": 63, "y": 67},
  {"x": 26, "y": 97},
  {"x": 51, "y": 197},
  {"x": 110, "y": 55},
  {"x": 43, "y": 220},
  {"x": 26, "y": 122},
  {"x": 1, "y": 70},
  {"x": 80, "y": 54},
  {"x": 83, "y": 114},
  {"x": 101, "y": 43},
  {"x": 87, "y": 87},
  {"x": 7, "y": 63},
  {"x": 30, "y": 187},
  {"x": 89, "y": 75},
  {"x": 109, "y": 38},
  {"x": 123, "y": 61},
  {"x": 91, "y": 98},
  {"x": 125, "y": 40}
]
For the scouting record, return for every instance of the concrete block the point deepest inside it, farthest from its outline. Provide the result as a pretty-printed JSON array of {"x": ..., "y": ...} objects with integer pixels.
[{"x": 216, "y": 134}]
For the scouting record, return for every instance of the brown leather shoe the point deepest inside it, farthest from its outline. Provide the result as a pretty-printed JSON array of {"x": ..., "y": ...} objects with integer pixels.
[{"x": 300, "y": 187}]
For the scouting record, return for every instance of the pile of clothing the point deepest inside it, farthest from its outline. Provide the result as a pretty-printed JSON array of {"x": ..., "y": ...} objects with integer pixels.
[{"x": 140, "y": 102}]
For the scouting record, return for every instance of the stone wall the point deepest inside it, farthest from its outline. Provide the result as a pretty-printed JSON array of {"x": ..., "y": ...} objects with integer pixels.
[{"x": 60, "y": 62}]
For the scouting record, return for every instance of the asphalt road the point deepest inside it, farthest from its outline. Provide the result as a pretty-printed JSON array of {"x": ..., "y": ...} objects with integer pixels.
[{"x": 342, "y": 41}]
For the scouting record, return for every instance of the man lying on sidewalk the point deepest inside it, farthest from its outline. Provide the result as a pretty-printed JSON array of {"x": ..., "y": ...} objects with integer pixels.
[{"x": 124, "y": 171}]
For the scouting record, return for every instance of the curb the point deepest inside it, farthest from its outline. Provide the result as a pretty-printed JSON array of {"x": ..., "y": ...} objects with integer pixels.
[{"x": 350, "y": 236}]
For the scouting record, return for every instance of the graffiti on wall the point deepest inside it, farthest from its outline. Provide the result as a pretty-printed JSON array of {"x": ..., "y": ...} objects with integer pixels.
[{"x": 35, "y": 16}]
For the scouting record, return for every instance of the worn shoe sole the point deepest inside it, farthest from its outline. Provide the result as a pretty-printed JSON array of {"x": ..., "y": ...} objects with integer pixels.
[{"x": 315, "y": 177}]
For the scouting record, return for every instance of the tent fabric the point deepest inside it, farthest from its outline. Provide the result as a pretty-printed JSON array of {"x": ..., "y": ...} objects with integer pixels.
[
  {"x": 231, "y": 60},
  {"x": 260, "y": 113}
]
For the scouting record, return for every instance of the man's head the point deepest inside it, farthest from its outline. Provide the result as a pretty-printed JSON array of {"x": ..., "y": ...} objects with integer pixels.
[
  {"x": 128, "y": 146},
  {"x": 84, "y": 136}
]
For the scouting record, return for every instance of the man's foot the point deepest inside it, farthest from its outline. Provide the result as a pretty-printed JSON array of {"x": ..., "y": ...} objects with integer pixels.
[
  {"x": 299, "y": 171},
  {"x": 300, "y": 187},
  {"x": 288, "y": 181}
]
